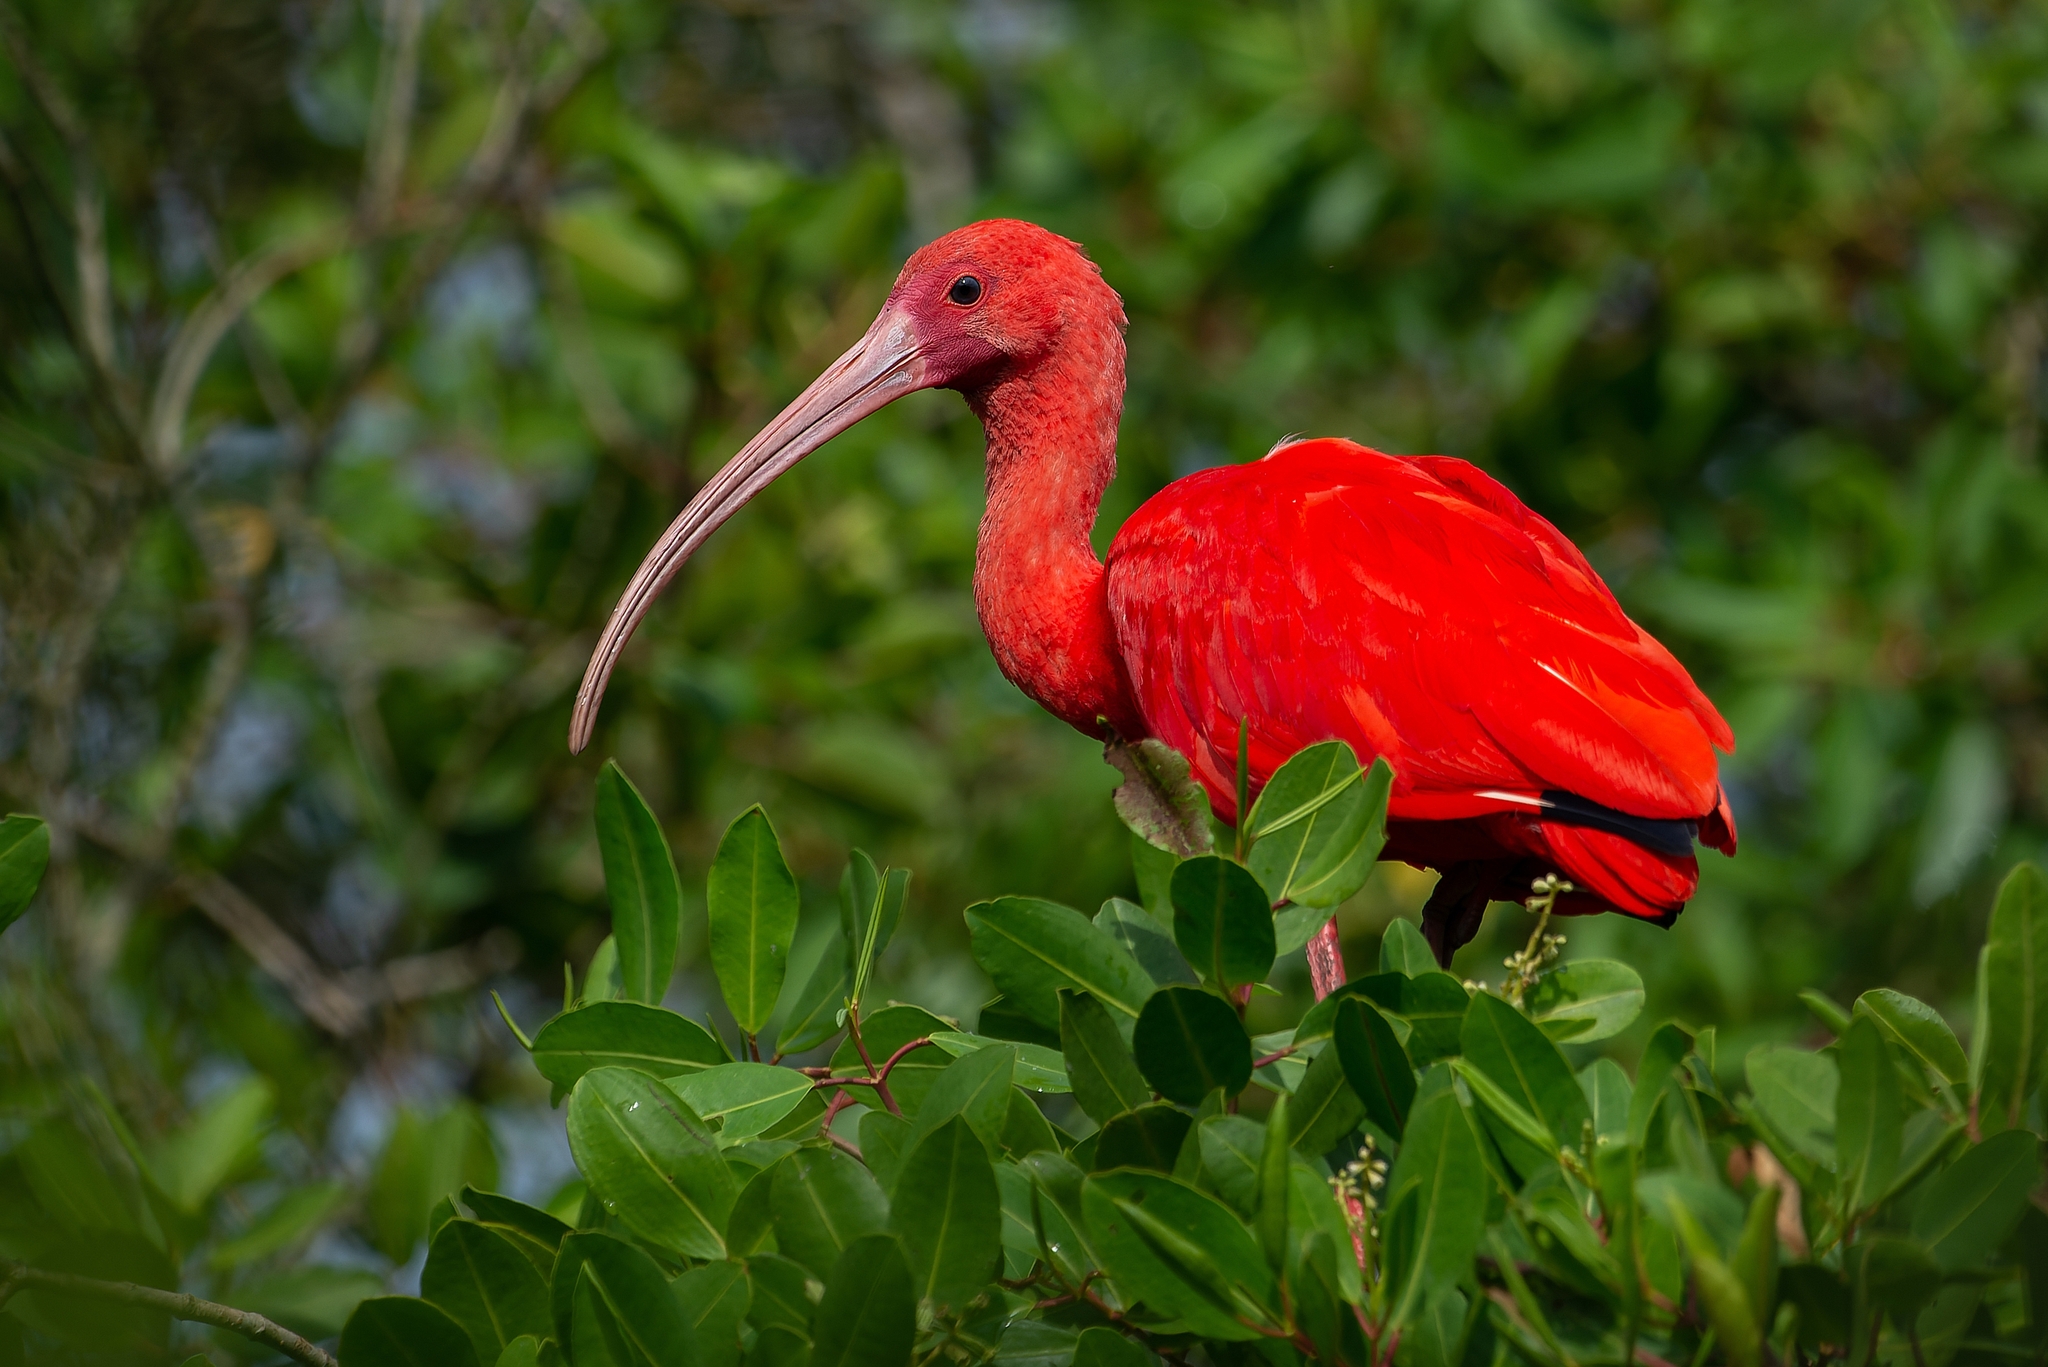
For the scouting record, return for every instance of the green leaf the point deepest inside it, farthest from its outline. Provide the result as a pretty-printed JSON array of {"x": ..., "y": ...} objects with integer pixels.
[
  {"x": 1404, "y": 951},
  {"x": 1728, "y": 1307},
  {"x": 1374, "y": 1064},
  {"x": 1323, "y": 1108},
  {"x": 2016, "y": 987},
  {"x": 1158, "y": 798},
  {"x": 193, "y": 1163},
  {"x": 628, "y": 1278},
  {"x": 822, "y": 1201},
  {"x": 647, "y": 1039},
  {"x": 1430, "y": 1007},
  {"x": 1148, "y": 1137},
  {"x": 1033, "y": 948},
  {"x": 779, "y": 1295},
  {"x": 401, "y": 1331},
  {"x": 1919, "y": 1029},
  {"x": 1180, "y": 1251},
  {"x": 1586, "y": 1000},
  {"x": 524, "y": 1351},
  {"x": 1667, "y": 1048},
  {"x": 814, "y": 1015},
  {"x": 1276, "y": 1167},
  {"x": 1104, "y": 1075},
  {"x": 1222, "y": 921},
  {"x": 870, "y": 904},
  {"x": 1970, "y": 1206},
  {"x": 640, "y": 878},
  {"x": 1025, "y": 1128},
  {"x": 1101, "y": 1346},
  {"x": 535, "y": 1231},
  {"x": 746, "y": 1098},
  {"x": 713, "y": 1299},
  {"x": 1189, "y": 1043},
  {"x": 290, "y": 1220},
  {"x": 1147, "y": 938},
  {"x": 602, "y": 981},
  {"x": 1608, "y": 1095},
  {"x": 651, "y": 1161},
  {"x": 24, "y": 854},
  {"x": 975, "y": 1086},
  {"x": 868, "y": 1317},
  {"x": 1868, "y": 1124},
  {"x": 1038, "y": 1069},
  {"x": 751, "y": 901},
  {"x": 1796, "y": 1092},
  {"x": 486, "y": 1285},
  {"x": 1232, "y": 1150},
  {"x": 1319, "y": 826},
  {"x": 948, "y": 1214},
  {"x": 1518, "y": 1058},
  {"x": 883, "y": 1138},
  {"x": 1439, "y": 1170}
]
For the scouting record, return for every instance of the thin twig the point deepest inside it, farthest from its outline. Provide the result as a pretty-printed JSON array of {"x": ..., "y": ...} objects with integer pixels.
[{"x": 175, "y": 1304}]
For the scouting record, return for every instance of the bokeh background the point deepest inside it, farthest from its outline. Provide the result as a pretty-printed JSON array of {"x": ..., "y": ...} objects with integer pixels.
[{"x": 353, "y": 351}]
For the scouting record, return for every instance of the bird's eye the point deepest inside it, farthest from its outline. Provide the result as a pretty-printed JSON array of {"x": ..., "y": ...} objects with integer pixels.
[{"x": 966, "y": 290}]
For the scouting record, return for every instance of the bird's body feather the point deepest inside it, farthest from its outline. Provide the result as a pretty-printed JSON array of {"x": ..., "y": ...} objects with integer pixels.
[{"x": 1414, "y": 608}]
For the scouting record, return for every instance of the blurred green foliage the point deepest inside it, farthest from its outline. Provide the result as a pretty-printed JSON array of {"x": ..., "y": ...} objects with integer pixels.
[{"x": 352, "y": 352}]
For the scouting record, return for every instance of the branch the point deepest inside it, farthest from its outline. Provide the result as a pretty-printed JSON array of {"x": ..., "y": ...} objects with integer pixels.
[
  {"x": 397, "y": 88},
  {"x": 177, "y": 1305}
]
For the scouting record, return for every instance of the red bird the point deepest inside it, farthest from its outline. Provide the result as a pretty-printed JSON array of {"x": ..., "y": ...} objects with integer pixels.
[{"x": 1409, "y": 605}]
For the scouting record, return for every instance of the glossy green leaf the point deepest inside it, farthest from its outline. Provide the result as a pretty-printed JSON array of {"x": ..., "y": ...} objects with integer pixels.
[
  {"x": 1430, "y": 1008},
  {"x": 1033, "y": 948},
  {"x": 1374, "y": 1064},
  {"x": 1276, "y": 1168},
  {"x": 640, "y": 879},
  {"x": 813, "y": 1015},
  {"x": 647, "y": 1039},
  {"x": 868, "y": 1317},
  {"x": 975, "y": 1086},
  {"x": 1180, "y": 1251},
  {"x": 744, "y": 1098},
  {"x": 883, "y": 1138},
  {"x": 524, "y": 1351},
  {"x": 1319, "y": 826},
  {"x": 1404, "y": 951},
  {"x": 1232, "y": 1148},
  {"x": 1608, "y": 1094},
  {"x": 1917, "y": 1028},
  {"x": 1147, "y": 938},
  {"x": 1518, "y": 1058},
  {"x": 402, "y": 1331},
  {"x": 526, "y": 1226},
  {"x": 1323, "y": 1108},
  {"x": 1868, "y": 1121},
  {"x": 1025, "y": 1128},
  {"x": 778, "y": 1294},
  {"x": 713, "y": 1299},
  {"x": 1667, "y": 1048},
  {"x": 751, "y": 901},
  {"x": 651, "y": 1161},
  {"x": 1222, "y": 921},
  {"x": 870, "y": 904},
  {"x": 1190, "y": 1042},
  {"x": 486, "y": 1285},
  {"x": 1586, "y": 1000},
  {"x": 628, "y": 1277},
  {"x": 1796, "y": 1092},
  {"x": 1439, "y": 1177},
  {"x": 1148, "y": 1137},
  {"x": 948, "y": 1214},
  {"x": 1101, "y": 1346},
  {"x": 24, "y": 854},
  {"x": 822, "y": 1201},
  {"x": 1970, "y": 1206},
  {"x": 1036, "y": 1069},
  {"x": 1104, "y": 1075},
  {"x": 2015, "y": 969}
]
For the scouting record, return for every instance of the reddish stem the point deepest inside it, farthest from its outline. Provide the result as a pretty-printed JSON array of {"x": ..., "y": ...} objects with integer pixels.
[{"x": 1325, "y": 960}]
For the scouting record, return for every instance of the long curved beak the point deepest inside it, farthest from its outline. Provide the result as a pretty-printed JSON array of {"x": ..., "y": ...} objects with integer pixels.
[{"x": 880, "y": 368}]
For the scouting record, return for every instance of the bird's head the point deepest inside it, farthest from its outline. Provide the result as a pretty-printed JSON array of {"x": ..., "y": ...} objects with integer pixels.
[{"x": 979, "y": 305}]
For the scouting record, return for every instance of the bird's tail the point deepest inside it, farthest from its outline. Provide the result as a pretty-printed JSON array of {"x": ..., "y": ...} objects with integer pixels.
[{"x": 1610, "y": 871}]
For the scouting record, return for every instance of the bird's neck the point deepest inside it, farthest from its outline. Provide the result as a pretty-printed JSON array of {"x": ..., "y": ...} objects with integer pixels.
[{"x": 1037, "y": 582}]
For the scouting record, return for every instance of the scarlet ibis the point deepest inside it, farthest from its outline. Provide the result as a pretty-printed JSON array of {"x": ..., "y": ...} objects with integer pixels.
[{"x": 1409, "y": 605}]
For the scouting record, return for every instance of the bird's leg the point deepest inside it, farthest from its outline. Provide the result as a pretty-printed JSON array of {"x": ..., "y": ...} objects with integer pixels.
[{"x": 1458, "y": 904}]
